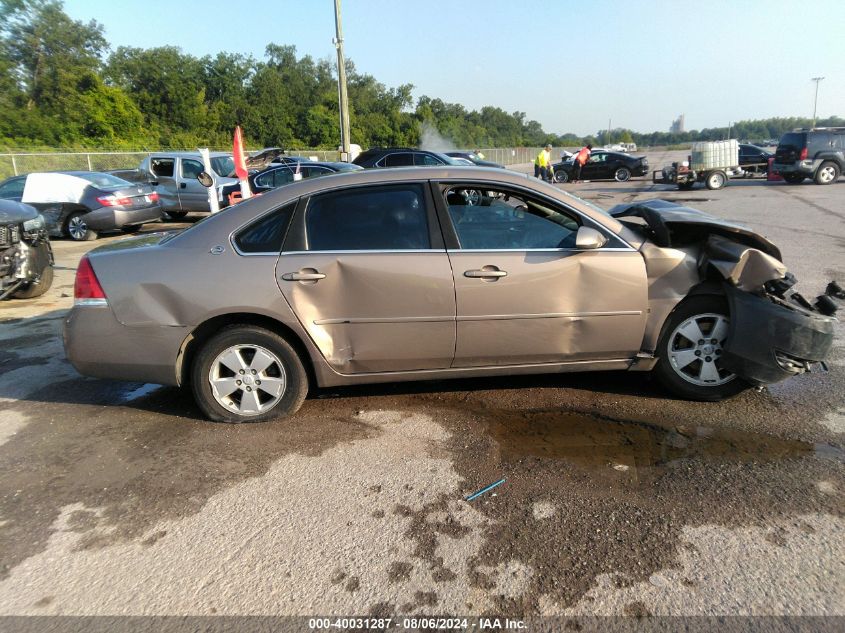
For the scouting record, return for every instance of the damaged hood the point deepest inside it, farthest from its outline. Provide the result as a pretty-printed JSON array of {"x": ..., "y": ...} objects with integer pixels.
[
  {"x": 11, "y": 211},
  {"x": 673, "y": 225}
]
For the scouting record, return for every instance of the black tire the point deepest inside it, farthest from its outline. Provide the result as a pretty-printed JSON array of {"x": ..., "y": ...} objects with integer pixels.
[
  {"x": 827, "y": 173},
  {"x": 686, "y": 186},
  {"x": 130, "y": 230},
  {"x": 623, "y": 174},
  {"x": 296, "y": 380},
  {"x": 175, "y": 215},
  {"x": 668, "y": 376},
  {"x": 793, "y": 179},
  {"x": 716, "y": 179},
  {"x": 561, "y": 176},
  {"x": 77, "y": 229},
  {"x": 32, "y": 290}
]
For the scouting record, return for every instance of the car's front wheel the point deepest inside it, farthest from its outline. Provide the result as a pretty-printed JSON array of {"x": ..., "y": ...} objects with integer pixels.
[
  {"x": 37, "y": 288},
  {"x": 248, "y": 374},
  {"x": 690, "y": 350},
  {"x": 622, "y": 174}
]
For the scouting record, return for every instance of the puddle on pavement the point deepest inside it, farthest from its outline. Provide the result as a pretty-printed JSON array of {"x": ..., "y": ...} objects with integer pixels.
[{"x": 596, "y": 442}]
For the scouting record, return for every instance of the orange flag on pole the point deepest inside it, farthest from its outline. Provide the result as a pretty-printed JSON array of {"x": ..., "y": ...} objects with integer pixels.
[{"x": 240, "y": 163}]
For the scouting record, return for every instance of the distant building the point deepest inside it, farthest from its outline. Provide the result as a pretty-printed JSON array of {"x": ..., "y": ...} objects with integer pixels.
[{"x": 678, "y": 125}]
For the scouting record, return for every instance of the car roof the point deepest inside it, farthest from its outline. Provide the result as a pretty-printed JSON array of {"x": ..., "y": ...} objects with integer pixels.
[
  {"x": 314, "y": 163},
  {"x": 186, "y": 153}
]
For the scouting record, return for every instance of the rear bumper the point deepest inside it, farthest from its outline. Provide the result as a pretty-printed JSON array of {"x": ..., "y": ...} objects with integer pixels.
[
  {"x": 768, "y": 342},
  {"x": 109, "y": 219},
  {"x": 98, "y": 345},
  {"x": 805, "y": 168}
]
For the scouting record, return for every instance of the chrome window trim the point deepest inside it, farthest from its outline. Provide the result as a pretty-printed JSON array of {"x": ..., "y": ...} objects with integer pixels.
[{"x": 368, "y": 251}]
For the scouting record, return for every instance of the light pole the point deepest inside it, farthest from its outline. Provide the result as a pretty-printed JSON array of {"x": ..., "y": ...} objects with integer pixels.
[
  {"x": 816, "y": 101},
  {"x": 341, "y": 85}
]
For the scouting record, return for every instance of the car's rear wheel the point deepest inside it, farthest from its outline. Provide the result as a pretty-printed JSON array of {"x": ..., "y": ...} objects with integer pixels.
[
  {"x": 77, "y": 229},
  {"x": 716, "y": 180},
  {"x": 131, "y": 229},
  {"x": 690, "y": 351},
  {"x": 561, "y": 176},
  {"x": 827, "y": 174},
  {"x": 176, "y": 215},
  {"x": 622, "y": 174},
  {"x": 248, "y": 374}
]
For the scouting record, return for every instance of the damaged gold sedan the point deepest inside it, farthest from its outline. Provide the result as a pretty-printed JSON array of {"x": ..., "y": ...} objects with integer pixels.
[{"x": 416, "y": 274}]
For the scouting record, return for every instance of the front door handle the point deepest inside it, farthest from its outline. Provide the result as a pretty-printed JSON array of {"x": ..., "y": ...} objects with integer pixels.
[
  {"x": 183, "y": 185},
  {"x": 303, "y": 276},
  {"x": 488, "y": 272}
]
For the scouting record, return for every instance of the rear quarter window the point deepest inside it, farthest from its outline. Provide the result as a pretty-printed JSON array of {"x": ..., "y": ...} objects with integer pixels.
[{"x": 266, "y": 234}]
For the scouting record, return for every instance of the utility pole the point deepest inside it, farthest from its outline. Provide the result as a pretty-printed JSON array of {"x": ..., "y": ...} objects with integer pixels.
[
  {"x": 341, "y": 85},
  {"x": 816, "y": 101}
]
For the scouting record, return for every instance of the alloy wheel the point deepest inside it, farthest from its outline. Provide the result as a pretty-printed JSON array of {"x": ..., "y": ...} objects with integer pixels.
[
  {"x": 77, "y": 227},
  {"x": 827, "y": 174},
  {"x": 695, "y": 350},
  {"x": 247, "y": 379}
]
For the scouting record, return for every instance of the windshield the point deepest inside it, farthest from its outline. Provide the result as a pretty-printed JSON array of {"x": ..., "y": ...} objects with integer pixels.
[
  {"x": 587, "y": 203},
  {"x": 223, "y": 165},
  {"x": 103, "y": 180}
]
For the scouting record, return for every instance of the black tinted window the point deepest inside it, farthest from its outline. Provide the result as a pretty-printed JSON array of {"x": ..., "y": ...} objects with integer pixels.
[
  {"x": 793, "y": 139},
  {"x": 398, "y": 160},
  {"x": 162, "y": 166},
  {"x": 371, "y": 218},
  {"x": 266, "y": 234},
  {"x": 492, "y": 220}
]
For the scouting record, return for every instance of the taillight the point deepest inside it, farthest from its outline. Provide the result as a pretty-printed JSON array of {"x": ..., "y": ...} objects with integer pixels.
[
  {"x": 803, "y": 154},
  {"x": 114, "y": 201},
  {"x": 87, "y": 288},
  {"x": 154, "y": 196}
]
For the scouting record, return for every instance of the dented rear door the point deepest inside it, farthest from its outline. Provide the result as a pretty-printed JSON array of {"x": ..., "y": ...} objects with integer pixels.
[{"x": 366, "y": 274}]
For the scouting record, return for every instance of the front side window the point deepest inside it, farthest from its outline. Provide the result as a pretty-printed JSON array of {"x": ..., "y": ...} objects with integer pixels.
[
  {"x": 191, "y": 168},
  {"x": 500, "y": 220},
  {"x": 368, "y": 218},
  {"x": 426, "y": 160}
]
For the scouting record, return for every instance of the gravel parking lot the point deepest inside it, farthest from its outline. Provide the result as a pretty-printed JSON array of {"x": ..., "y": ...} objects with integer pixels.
[{"x": 119, "y": 498}]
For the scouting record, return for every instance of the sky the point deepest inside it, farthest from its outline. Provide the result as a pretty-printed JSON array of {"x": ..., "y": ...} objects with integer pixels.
[{"x": 572, "y": 66}]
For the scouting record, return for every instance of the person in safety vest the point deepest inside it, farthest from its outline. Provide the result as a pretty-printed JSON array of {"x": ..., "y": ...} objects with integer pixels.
[
  {"x": 543, "y": 164},
  {"x": 580, "y": 159}
]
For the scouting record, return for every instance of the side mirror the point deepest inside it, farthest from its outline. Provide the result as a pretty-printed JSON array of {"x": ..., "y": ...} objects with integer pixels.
[
  {"x": 589, "y": 239},
  {"x": 205, "y": 179}
]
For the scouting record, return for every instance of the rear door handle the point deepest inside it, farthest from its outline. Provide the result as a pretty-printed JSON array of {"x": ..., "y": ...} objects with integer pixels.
[
  {"x": 183, "y": 185},
  {"x": 488, "y": 272},
  {"x": 303, "y": 276}
]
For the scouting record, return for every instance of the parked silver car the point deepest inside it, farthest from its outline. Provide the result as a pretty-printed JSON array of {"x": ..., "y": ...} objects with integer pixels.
[{"x": 421, "y": 273}]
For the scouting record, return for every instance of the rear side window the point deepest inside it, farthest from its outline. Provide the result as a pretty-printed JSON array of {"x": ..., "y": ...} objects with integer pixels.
[
  {"x": 368, "y": 218},
  {"x": 427, "y": 160},
  {"x": 266, "y": 234},
  {"x": 162, "y": 166},
  {"x": 398, "y": 160}
]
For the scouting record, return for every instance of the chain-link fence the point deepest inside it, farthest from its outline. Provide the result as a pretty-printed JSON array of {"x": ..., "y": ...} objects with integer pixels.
[{"x": 14, "y": 164}]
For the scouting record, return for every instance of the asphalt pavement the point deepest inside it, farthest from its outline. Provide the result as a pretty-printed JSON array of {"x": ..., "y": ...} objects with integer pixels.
[{"x": 119, "y": 499}]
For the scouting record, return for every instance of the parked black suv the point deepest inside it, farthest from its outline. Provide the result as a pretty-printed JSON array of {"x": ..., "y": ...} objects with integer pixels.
[
  {"x": 402, "y": 157},
  {"x": 817, "y": 153}
]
